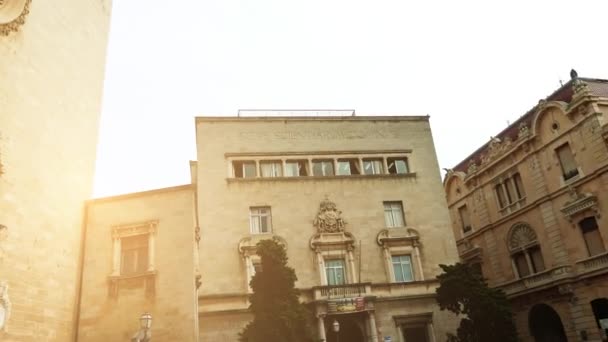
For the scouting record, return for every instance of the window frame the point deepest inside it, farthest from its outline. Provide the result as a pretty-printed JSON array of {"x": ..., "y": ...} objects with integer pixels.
[
  {"x": 327, "y": 266},
  {"x": 257, "y": 217},
  {"x": 570, "y": 174},
  {"x": 301, "y": 164},
  {"x": 401, "y": 264},
  {"x": 276, "y": 168},
  {"x": 400, "y": 213},
  {"x": 137, "y": 251},
  {"x": 380, "y": 165},
  {"x": 591, "y": 230},
  {"x": 394, "y": 160},
  {"x": 462, "y": 219},
  {"x": 323, "y": 162},
  {"x": 241, "y": 164}
]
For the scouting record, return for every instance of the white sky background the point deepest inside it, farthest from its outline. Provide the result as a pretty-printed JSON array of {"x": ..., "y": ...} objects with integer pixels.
[{"x": 471, "y": 65}]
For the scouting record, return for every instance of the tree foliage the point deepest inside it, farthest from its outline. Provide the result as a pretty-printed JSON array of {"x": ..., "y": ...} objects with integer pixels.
[
  {"x": 486, "y": 311},
  {"x": 278, "y": 314}
]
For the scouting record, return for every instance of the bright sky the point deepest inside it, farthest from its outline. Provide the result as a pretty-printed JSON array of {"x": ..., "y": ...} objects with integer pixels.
[{"x": 472, "y": 66}]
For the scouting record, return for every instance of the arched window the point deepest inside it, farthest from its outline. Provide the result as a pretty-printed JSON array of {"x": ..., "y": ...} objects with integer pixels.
[
  {"x": 591, "y": 235},
  {"x": 526, "y": 255}
]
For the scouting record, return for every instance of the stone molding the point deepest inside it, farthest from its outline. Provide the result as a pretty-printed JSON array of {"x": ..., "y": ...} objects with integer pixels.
[
  {"x": 521, "y": 236},
  {"x": 578, "y": 203},
  {"x": 390, "y": 237},
  {"x": 12, "y": 15},
  {"x": 140, "y": 228}
]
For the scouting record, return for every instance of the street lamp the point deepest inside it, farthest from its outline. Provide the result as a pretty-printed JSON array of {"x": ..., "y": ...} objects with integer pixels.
[
  {"x": 336, "y": 327},
  {"x": 145, "y": 325}
]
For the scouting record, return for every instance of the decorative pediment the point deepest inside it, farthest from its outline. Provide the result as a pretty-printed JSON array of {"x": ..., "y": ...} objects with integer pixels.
[
  {"x": 248, "y": 244},
  {"x": 148, "y": 227},
  {"x": 521, "y": 235},
  {"x": 396, "y": 236},
  {"x": 328, "y": 218},
  {"x": 578, "y": 203},
  {"x": 338, "y": 240}
]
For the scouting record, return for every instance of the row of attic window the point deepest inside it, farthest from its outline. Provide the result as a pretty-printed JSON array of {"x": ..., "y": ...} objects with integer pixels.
[{"x": 319, "y": 167}]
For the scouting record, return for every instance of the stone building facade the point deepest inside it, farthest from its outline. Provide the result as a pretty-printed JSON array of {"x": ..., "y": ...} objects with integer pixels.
[
  {"x": 357, "y": 203},
  {"x": 528, "y": 208},
  {"x": 52, "y": 59}
]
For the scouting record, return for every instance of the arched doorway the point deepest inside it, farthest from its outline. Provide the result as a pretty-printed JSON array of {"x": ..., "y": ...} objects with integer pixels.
[
  {"x": 600, "y": 311},
  {"x": 545, "y": 324},
  {"x": 350, "y": 331}
]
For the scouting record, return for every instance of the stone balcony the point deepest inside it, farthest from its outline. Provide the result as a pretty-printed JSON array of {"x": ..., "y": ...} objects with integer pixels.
[
  {"x": 593, "y": 264},
  {"x": 538, "y": 280},
  {"x": 414, "y": 288}
]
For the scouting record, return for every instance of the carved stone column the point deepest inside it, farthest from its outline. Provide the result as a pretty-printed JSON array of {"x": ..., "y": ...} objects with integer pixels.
[
  {"x": 321, "y": 265},
  {"x": 321, "y": 328},
  {"x": 373, "y": 334},
  {"x": 351, "y": 262},
  {"x": 418, "y": 260},
  {"x": 116, "y": 256},
  {"x": 388, "y": 263}
]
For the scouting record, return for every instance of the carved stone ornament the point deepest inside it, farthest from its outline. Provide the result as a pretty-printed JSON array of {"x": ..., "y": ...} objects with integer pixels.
[
  {"x": 495, "y": 149},
  {"x": 524, "y": 131},
  {"x": 5, "y": 305},
  {"x": 580, "y": 87},
  {"x": 328, "y": 218},
  {"x": 521, "y": 235},
  {"x": 12, "y": 15},
  {"x": 472, "y": 167},
  {"x": 578, "y": 203}
]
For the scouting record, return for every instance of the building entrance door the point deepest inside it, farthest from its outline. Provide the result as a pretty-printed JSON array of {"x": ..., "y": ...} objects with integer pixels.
[
  {"x": 545, "y": 324},
  {"x": 351, "y": 328}
]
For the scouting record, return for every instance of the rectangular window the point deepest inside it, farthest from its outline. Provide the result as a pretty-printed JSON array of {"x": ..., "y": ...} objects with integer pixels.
[
  {"x": 393, "y": 214},
  {"x": 500, "y": 194},
  {"x": 372, "y": 166},
  {"x": 335, "y": 271},
  {"x": 465, "y": 219},
  {"x": 348, "y": 167},
  {"x": 538, "y": 264},
  {"x": 567, "y": 162},
  {"x": 592, "y": 237},
  {"x": 322, "y": 167},
  {"x": 402, "y": 267},
  {"x": 397, "y": 165},
  {"x": 509, "y": 191},
  {"x": 260, "y": 220},
  {"x": 415, "y": 334},
  {"x": 244, "y": 168},
  {"x": 521, "y": 264},
  {"x": 271, "y": 168},
  {"x": 296, "y": 168},
  {"x": 134, "y": 254}
]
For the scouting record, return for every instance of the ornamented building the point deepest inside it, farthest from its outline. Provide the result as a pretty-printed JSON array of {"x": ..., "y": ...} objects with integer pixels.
[
  {"x": 356, "y": 201},
  {"x": 527, "y": 210}
]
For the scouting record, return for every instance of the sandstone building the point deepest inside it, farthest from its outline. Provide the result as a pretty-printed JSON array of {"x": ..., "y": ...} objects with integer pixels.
[
  {"x": 52, "y": 58},
  {"x": 529, "y": 210},
  {"x": 356, "y": 201}
]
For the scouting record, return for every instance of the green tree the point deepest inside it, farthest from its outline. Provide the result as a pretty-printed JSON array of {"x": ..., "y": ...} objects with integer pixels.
[
  {"x": 486, "y": 311},
  {"x": 278, "y": 315}
]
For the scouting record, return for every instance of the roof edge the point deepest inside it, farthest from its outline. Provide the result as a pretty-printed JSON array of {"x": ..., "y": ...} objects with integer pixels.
[
  {"x": 140, "y": 193},
  {"x": 313, "y": 118}
]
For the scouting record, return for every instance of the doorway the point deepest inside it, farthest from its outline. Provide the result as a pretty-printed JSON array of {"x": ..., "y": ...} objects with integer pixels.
[
  {"x": 350, "y": 328},
  {"x": 545, "y": 324}
]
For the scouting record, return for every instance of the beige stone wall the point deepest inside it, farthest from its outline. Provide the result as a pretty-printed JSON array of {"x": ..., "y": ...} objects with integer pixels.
[
  {"x": 224, "y": 203},
  {"x": 51, "y": 79},
  {"x": 107, "y": 317},
  {"x": 561, "y": 241}
]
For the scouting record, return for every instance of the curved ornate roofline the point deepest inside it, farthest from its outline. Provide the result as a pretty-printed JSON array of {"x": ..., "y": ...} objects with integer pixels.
[{"x": 542, "y": 108}]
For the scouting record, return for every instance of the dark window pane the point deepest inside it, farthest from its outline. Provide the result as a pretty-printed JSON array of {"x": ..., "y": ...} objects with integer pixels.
[
  {"x": 567, "y": 162},
  {"x": 397, "y": 165},
  {"x": 521, "y": 264},
  {"x": 537, "y": 259},
  {"x": 592, "y": 236},
  {"x": 415, "y": 334}
]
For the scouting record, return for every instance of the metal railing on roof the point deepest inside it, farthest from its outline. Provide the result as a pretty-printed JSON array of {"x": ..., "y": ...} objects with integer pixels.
[{"x": 295, "y": 112}]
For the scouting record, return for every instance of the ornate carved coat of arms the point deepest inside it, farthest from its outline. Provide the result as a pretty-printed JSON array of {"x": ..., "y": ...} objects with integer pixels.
[{"x": 328, "y": 218}]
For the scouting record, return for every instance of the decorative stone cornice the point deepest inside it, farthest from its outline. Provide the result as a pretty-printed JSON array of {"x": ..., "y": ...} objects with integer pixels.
[
  {"x": 396, "y": 236},
  {"x": 12, "y": 15},
  {"x": 248, "y": 245},
  {"x": 521, "y": 236},
  {"x": 578, "y": 203},
  {"x": 321, "y": 241},
  {"x": 148, "y": 227}
]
